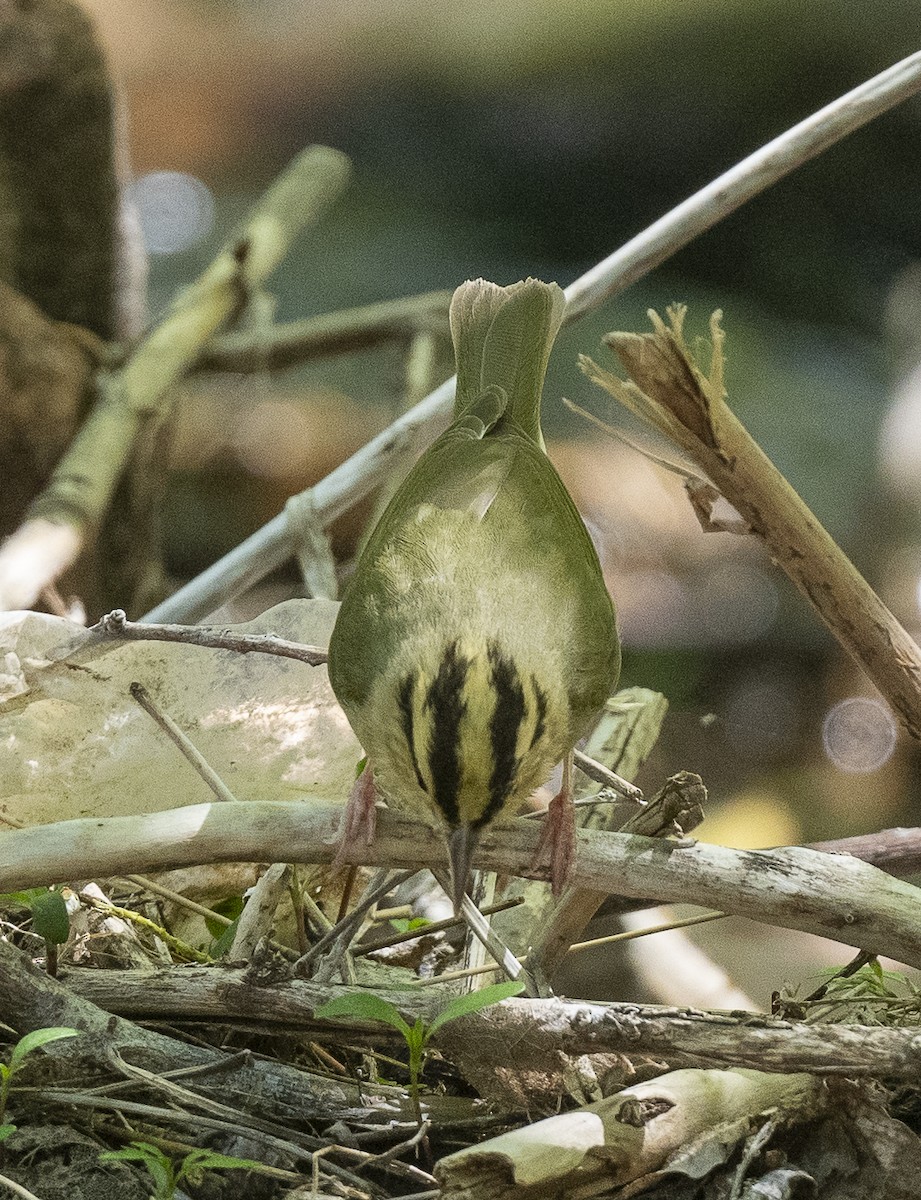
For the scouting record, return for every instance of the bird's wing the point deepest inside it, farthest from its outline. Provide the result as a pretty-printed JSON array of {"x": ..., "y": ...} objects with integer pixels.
[{"x": 463, "y": 470}]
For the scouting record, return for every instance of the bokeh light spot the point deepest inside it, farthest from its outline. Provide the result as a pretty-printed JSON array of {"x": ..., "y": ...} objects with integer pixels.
[
  {"x": 761, "y": 715},
  {"x": 273, "y": 439},
  {"x": 176, "y": 210},
  {"x": 738, "y": 604},
  {"x": 859, "y": 735}
]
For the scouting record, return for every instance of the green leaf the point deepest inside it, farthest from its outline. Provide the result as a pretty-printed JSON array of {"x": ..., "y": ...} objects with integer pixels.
[
  {"x": 197, "y": 1162},
  {"x": 230, "y": 906},
  {"x": 6, "y": 1131},
  {"x": 38, "y": 1037},
  {"x": 49, "y": 918},
  {"x": 159, "y": 1167},
  {"x": 417, "y": 1036},
  {"x": 224, "y": 941},
  {"x": 25, "y": 898},
  {"x": 472, "y": 1002},
  {"x": 402, "y": 925},
  {"x": 366, "y": 1006}
]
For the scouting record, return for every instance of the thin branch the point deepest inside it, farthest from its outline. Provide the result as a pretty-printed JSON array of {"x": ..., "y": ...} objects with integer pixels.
[
  {"x": 431, "y": 928},
  {"x": 116, "y": 626},
  {"x": 896, "y": 851},
  {"x": 182, "y": 742},
  {"x": 270, "y": 546},
  {"x": 741, "y": 183},
  {"x": 831, "y": 895},
  {"x": 17, "y": 1189},
  {"x": 604, "y": 775},
  {"x": 84, "y": 481},
  {"x": 350, "y": 329}
]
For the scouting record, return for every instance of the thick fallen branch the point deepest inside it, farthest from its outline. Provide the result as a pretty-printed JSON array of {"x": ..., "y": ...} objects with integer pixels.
[
  {"x": 29, "y": 1000},
  {"x": 528, "y": 1034},
  {"x": 831, "y": 895}
]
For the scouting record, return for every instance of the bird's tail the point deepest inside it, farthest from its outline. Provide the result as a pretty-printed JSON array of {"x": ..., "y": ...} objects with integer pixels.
[{"x": 502, "y": 338}]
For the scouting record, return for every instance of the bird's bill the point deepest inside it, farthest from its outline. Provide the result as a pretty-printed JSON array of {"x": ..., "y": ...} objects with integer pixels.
[{"x": 461, "y": 845}]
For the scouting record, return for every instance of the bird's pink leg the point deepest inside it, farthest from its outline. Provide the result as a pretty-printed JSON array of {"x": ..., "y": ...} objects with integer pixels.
[
  {"x": 360, "y": 817},
  {"x": 558, "y": 832}
]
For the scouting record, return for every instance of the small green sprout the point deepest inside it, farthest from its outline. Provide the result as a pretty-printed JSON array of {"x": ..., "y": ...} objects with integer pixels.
[
  {"x": 367, "y": 1006},
  {"x": 409, "y": 925},
  {"x": 166, "y": 1175},
  {"x": 25, "y": 1045},
  {"x": 49, "y": 919}
]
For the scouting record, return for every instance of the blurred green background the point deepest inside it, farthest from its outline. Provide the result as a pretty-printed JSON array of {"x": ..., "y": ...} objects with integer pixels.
[{"x": 507, "y": 138}]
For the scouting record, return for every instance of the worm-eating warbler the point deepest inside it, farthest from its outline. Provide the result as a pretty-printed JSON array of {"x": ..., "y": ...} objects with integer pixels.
[{"x": 476, "y": 641}]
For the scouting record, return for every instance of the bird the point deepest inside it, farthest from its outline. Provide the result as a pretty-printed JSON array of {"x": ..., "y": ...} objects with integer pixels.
[{"x": 476, "y": 641}]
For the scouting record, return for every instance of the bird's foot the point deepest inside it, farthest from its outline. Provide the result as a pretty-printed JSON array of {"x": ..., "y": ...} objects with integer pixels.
[
  {"x": 360, "y": 817},
  {"x": 558, "y": 833}
]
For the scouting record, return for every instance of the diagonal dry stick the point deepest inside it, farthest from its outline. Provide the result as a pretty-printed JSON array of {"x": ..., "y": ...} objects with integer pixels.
[
  {"x": 81, "y": 487},
  {"x": 673, "y": 393},
  {"x": 272, "y": 545}
]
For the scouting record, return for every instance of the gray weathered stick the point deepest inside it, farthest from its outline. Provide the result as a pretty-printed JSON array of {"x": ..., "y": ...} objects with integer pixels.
[
  {"x": 831, "y": 895},
  {"x": 359, "y": 475},
  {"x": 526, "y": 1034}
]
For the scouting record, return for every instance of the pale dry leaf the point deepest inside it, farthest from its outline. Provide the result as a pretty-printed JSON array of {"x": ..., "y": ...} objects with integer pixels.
[{"x": 73, "y": 743}]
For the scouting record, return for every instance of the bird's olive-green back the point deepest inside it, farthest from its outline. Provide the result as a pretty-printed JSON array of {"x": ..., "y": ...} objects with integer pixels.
[{"x": 483, "y": 529}]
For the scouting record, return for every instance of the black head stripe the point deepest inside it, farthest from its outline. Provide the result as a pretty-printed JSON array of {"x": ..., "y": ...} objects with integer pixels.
[
  {"x": 540, "y": 724},
  {"x": 446, "y": 703},
  {"x": 504, "y": 725},
  {"x": 405, "y": 702}
]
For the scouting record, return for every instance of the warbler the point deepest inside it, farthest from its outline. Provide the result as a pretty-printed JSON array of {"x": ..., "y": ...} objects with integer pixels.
[{"x": 476, "y": 641}]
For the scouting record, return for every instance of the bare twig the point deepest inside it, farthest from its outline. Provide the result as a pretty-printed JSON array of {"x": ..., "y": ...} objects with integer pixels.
[
  {"x": 270, "y": 546},
  {"x": 604, "y": 775},
  {"x": 17, "y": 1189},
  {"x": 333, "y": 333},
  {"x": 746, "y": 179},
  {"x": 116, "y": 626},
  {"x": 82, "y": 485},
  {"x": 182, "y": 742},
  {"x": 830, "y": 895},
  {"x": 430, "y": 928},
  {"x": 673, "y": 969},
  {"x": 666, "y": 925}
]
